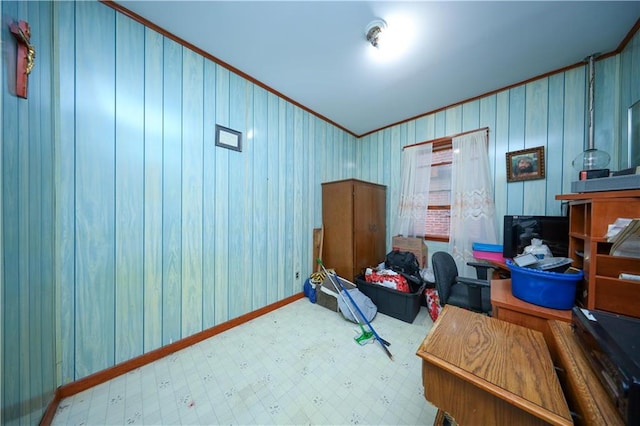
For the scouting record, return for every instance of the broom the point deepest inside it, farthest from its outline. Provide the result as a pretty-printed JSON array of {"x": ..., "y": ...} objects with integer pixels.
[
  {"x": 366, "y": 336},
  {"x": 382, "y": 342}
]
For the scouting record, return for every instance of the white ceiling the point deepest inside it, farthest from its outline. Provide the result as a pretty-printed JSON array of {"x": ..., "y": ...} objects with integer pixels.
[{"x": 315, "y": 52}]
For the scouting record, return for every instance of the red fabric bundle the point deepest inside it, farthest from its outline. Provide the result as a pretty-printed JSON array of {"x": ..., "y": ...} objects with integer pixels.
[
  {"x": 433, "y": 303},
  {"x": 394, "y": 281}
]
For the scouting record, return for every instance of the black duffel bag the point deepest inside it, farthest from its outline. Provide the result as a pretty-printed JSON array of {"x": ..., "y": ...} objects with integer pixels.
[{"x": 406, "y": 264}]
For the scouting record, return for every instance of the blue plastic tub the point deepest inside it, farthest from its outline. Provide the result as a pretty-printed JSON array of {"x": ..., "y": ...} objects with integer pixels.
[{"x": 549, "y": 289}]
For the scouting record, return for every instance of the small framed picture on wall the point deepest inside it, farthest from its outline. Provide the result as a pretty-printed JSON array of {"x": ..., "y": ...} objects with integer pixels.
[
  {"x": 525, "y": 164},
  {"x": 228, "y": 138}
]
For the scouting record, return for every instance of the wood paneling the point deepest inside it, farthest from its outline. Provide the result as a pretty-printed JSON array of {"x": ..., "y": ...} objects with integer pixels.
[
  {"x": 192, "y": 191},
  {"x": 153, "y": 183},
  {"x": 574, "y": 131},
  {"x": 129, "y": 190},
  {"x": 95, "y": 122},
  {"x": 239, "y": 237},
  {"x": 27, "y": 292},
  {"x": 516, "y": 132},
  {"x": 547, "y": 112},
  {"x": 118, "y": 209},
  {"x": 557, "y": 165},
  {"x": 501, "y": 131},
  {"x": 65, "y": 197},
  {"x": 171, "y": 192},
  {"x": 13, "y": 246},
  {"x": 629, "y": 91},
  {"x": 535, "y": 134},
  {"x": 169, "y": 234}
]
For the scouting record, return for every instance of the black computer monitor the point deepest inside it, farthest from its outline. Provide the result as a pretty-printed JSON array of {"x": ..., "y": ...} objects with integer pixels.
[{"x": 520, "y": 230}]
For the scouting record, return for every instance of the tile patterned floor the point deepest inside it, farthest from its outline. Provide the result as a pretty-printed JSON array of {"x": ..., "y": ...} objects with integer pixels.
[{"x": 296, "y": 365}]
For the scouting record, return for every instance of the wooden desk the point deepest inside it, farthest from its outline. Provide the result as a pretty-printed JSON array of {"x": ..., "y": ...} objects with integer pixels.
[
  {"x": 582, "y": 389},
  {"x": 485, "y": 371},
  {"x": 584, "y": 392},
  {"x": 507, "y": 307}
]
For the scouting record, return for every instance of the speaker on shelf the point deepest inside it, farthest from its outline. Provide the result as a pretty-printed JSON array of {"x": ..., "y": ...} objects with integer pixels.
[{"x": 593, "y": 174}]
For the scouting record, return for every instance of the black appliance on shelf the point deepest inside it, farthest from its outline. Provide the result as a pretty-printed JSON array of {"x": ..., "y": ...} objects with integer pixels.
[{"x": 611, "y": 343}]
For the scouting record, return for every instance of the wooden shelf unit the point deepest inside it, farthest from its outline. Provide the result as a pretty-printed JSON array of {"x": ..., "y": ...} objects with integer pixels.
[{"x": 589, "y": 216}]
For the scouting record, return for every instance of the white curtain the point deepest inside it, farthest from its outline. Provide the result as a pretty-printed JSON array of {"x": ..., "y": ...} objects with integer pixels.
[
  {"x": 473, "y": 217},
  {"x": 414, "y": 193}
]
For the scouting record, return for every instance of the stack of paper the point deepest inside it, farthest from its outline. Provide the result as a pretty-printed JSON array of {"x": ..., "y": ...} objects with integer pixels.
[
  {"x": 615, "y": 228},
  {"x": 626, "y": 243}
]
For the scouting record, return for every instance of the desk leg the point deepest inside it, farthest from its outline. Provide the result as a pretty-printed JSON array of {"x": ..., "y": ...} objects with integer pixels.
[{"x": 443, "y": 419}]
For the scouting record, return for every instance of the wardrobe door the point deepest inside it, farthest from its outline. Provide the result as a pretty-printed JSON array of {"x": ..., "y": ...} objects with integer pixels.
[
  {"x": 370, "y": 226},
  {"x": 337, "y": 220}
]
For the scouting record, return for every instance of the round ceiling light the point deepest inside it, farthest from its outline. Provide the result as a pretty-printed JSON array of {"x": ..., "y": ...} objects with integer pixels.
[{"x": 374, "y": 30}]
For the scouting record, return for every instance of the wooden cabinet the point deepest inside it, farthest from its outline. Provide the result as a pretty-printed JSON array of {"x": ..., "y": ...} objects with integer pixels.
[
  {"x": 354, "y": 221},
  {"x": 589, "y": 216},
  {"x": 507, "y": 307}
]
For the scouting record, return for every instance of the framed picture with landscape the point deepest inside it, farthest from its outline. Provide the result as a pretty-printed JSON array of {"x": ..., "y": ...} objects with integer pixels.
[{"x": 525, "y": 164}]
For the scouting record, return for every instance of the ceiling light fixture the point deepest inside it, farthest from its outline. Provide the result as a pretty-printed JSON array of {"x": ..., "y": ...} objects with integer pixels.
[{"x": 374, "y": 31}]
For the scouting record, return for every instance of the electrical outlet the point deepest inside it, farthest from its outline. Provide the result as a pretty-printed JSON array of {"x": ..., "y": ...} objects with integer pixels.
[{"x": 297, "y": 275}]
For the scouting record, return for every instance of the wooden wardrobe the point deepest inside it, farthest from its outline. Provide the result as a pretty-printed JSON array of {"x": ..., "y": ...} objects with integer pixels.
[{"x": 354, "y": 221}]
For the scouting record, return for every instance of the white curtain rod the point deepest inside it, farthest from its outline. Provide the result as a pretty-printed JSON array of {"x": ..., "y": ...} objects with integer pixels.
[{"x": 448, "y": 137}]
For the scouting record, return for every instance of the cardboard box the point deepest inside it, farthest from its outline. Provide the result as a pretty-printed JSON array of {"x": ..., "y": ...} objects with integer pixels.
[{"x": 414, "y": 245}]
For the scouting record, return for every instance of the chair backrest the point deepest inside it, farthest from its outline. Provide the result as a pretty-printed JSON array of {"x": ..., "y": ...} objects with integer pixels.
[{"x": 445, "y": 273}]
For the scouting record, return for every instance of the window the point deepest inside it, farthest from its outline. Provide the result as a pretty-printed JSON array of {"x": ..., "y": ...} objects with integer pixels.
[{"x": 439, "y": 209}]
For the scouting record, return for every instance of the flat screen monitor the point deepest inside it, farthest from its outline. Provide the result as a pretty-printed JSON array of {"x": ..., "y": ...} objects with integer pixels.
[{"x": 520, "y": 230}]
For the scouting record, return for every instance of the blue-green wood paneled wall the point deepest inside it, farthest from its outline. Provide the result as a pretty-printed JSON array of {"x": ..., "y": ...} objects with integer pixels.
[
  {"x": 629, "y": 62},
  {"x": 170, "y": 235},
  {"x": 548, "y": 112},
  {"x": 27, "y": 313},
  {"x": 124, "y": 228}
]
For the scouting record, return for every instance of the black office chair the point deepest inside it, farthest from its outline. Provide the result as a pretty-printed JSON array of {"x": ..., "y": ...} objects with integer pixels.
[{"x": 468, "y": 293}]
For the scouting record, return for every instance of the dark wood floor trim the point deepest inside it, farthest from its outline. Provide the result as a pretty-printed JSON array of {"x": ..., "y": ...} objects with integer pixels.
[
  {"x": 50, "y": 412},
  {"x": 95, "y": 379}
]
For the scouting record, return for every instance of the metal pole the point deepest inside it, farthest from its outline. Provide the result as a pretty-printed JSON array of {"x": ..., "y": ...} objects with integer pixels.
[{"x": 590, "y": 136}]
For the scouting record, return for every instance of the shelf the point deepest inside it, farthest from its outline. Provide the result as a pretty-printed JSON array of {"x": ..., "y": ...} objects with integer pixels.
[
  {"x": 599, "y": 195},
  {"x": 580, "y": 235},
  {"x": 613, "y": 295},
  {"x": 612, "y": 266},
  {"x": 590, "y": 214}
]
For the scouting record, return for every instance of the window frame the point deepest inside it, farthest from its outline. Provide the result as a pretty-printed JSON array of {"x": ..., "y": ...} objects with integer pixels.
[
  {"x": 441, "y": 144},
  {"x": 438, "y": 144}
]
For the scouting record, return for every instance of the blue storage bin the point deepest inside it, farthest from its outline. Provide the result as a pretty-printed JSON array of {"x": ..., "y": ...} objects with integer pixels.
[{"x": 549, "y": 289}]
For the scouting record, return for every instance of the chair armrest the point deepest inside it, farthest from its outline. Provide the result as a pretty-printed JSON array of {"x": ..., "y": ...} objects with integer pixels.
[
  {"x": 473, "y": 282},
  {"x": 481, "y": 265},
  {"x": 481, "y": 269}
]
